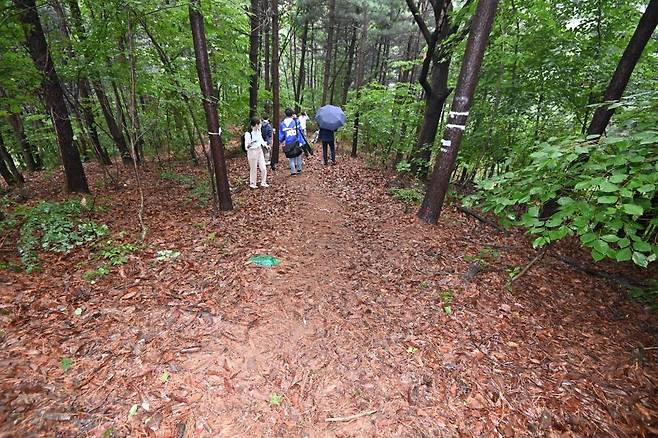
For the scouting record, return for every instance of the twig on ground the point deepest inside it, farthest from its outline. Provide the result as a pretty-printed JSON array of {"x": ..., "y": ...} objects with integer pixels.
[
  {"x": 351, "y": 417},
  {"x": 528, "y": 266}
]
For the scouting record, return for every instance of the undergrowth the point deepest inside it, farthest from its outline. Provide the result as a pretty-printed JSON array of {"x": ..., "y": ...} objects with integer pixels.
[
  {"x": 53, "y": 227},
  {"x": 198, "y": 188}
]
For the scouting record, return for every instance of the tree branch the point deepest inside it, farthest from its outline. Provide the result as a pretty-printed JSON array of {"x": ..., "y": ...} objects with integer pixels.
[{"x": 419, "y": 20}]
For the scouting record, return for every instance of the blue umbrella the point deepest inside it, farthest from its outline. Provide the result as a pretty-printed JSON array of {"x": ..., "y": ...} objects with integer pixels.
[{"x": 330, "y": 117}]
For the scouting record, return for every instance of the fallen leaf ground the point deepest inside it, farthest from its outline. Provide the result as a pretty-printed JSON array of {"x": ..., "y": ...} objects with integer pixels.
[{"x": 350, "y": 336}]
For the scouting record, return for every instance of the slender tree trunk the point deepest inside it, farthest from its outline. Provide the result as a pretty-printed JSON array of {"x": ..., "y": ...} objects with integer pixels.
[
  {"x": 209, "y": 105},
  {"x": 10, "y": 173},
  {"x": 478, "y": 38},
  {"x": 276, "y": 105},
  {"x": 254, "y": 15},
  {"x": 360, "y": 66},
  {"x": 266, "y": 65},
  {"x": 299, "y": 97},
  {"x": 350, "y": 65},
  {"x": 89, "y": 118},
  {"x": 329, "y": 51},
  {"x": 29, "y": 152},
  {"x": 115, "y": 131},
  {"x": 76, "y": 180},
  {"x": 625, "y": 68}
]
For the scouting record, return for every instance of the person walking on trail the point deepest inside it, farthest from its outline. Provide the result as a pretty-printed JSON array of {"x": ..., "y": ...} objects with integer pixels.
[
  {"x": 254, "y": 143},
  {"x": 328, "y": 141},
  {"x": 268, "y": 134},
  {"x": 303, "y": 118},
  {"x": 291, "y": 136}
]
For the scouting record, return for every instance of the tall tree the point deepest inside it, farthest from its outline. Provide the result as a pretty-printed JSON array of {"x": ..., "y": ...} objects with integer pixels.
[
  {"x": 625, "y": 68},
  {"x": 209, "y": 105},
  {"x": 299, "y": 91},
  {"x": 254, "y": 20},
  {"x": 30, "y": 153},
  {"x": 478, "y": 38},
  {"x": 276, "y": 105},
  {"x": 329, "y": 51},
  {"x": 360, "y": 68},
  {"x": 266, "y": 44},
  {"x": 75, "y": 178}
]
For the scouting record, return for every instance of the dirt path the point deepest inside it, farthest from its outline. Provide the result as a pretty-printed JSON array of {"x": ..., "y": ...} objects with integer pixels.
[{"x": 352, "y": 323}]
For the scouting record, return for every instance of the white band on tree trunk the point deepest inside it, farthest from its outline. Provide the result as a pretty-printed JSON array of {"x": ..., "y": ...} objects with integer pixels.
[
  {"x": 458, "y": 113},
  {"x": 461, "y": 127}
]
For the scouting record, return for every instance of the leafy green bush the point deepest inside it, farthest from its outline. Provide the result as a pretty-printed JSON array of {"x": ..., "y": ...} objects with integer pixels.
[
  {"x": 606, "y": 193},
  {"x": 117, "y": 254},
  {"x": 55, "y": 227}
]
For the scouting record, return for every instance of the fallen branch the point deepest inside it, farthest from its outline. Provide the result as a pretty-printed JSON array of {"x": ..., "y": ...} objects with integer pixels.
[
  {"x": 481, "y": 218},
  {"x": 528, "y": 266},
  {"x": 350, "y": 418},
  {"x": 619, "y": 279}
]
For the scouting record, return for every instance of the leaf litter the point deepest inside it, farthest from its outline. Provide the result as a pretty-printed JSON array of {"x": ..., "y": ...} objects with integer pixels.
[{"x": 352, "y": 327}]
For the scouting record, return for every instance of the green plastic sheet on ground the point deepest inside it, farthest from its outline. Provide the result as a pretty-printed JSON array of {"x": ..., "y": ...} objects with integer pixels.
[{"x": 264, "y": 260}]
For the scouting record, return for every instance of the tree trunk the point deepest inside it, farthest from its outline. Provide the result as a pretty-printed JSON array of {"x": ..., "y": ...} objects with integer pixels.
[
  {"x": 299, "y": 97},
  {"x": 430, "y": 209},
  {"x": 209, "y": 105},
  {"x": 115, "y": 131},
  {"x": 360, "y": 66},
  {"x": 625, "y": 68},
  {"x": 276, "y": 105},
  {"x": 10, "y": 173},
  {"x": 29, "y": 152},
  {"x": 75, "y": 178},
  {"x": 89, "y": 118},
  {"x": 266, "y": 64},
  {"x": 350, "y": 65},
  {"x": 254, "y": 16},
  {"x": 329, "y": 51}
]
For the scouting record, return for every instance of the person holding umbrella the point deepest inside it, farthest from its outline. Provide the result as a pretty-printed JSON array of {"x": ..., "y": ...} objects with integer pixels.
[{"x": 329, "y": 119}]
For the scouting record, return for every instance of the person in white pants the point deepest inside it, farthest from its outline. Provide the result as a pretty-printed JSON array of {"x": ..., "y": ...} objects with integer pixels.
[{"x": 254, "y": 142}]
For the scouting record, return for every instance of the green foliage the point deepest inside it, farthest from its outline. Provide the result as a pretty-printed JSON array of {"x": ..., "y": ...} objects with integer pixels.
[
  {"x": 275, "y": 399},
  {"x": 388, "y": 116},
  {"x": 66, "y": 363},
  {"x": 117, "y": 254},
  {"x": 55, "y": 227},
  {"x": 605, "y": 191},
  {"x": 408, "y": 195},
  {"x": 97, "y": 273}
]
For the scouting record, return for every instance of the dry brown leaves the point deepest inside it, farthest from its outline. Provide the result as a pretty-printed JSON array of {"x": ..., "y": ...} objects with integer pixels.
[{"x": 353, "y": 321}]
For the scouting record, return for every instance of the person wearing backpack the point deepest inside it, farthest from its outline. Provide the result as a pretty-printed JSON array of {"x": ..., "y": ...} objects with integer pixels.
[
  {"x": 268, "y": 133},
  {"x": 254, "y": 143},
  {"x": 290, "y": 135}
]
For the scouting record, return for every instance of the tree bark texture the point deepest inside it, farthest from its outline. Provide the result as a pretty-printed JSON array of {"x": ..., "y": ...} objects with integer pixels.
[
  {"x": 209, "y": 105},
  {"x": 75, "y": 178},
  {"x": 478, "y": 38}
]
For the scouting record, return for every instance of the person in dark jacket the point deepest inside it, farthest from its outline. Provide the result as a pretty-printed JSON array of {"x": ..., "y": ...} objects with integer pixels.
[
  {"x": 268, "y": 132},
  {"x": 327, "y": 137}
]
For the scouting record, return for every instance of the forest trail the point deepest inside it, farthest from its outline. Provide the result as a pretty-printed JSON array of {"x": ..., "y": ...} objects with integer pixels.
[{"x": 354, "y": 321}]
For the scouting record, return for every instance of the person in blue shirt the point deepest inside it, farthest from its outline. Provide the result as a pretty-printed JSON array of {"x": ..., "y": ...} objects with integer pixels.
[{"x": 290, "y": 135}]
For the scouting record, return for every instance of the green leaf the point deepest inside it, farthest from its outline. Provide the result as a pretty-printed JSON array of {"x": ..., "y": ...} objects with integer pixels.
[
  {"x": 447, "y": 310},
  {"x": 606, "y": 199},
  {"x": 618, "y": 177},
  {"x": 623, "y": 243},
  {"x": 633, "y": 209},
  {"x": 78, "y": 311},
  {"x": 624, "y": 255},
  {"x": 642, "y": 246},
  {"x": 275, "y": 399},
  {"x": 608, "y": 187},
  {"x": 133, "y": 410},
  {"x": 588, "y": 238},
  {"x": 640, "y": 259},
  {"x": 66, "y": 363},
  {"x": 598, "y": 256},
  {"x": 164, "y": 377},
  {"x": 610, "y": 238}
]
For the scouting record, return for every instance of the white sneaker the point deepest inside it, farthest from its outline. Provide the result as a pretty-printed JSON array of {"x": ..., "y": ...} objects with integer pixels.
[
  {"x": 253, "y": 187},
  {"x": 264, "y": 185}
]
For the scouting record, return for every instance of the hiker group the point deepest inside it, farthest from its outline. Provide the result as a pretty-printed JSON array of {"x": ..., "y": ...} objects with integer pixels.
[{"x": 258, "y": 141}]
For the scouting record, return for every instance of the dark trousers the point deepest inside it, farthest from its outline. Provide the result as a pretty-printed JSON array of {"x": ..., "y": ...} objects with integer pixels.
[{"x": 332, "y": 145}]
